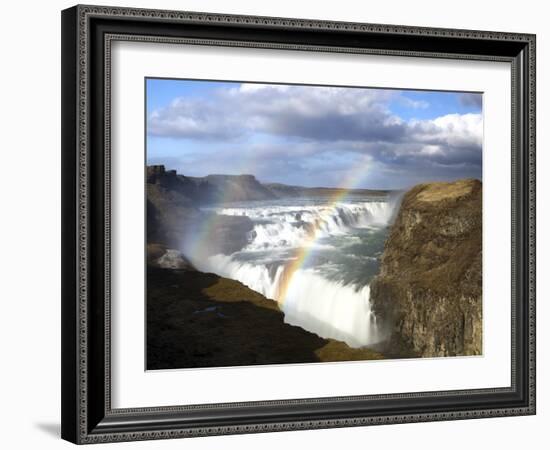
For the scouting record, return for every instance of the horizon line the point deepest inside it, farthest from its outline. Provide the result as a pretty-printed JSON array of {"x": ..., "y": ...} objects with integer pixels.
[{"x": 264, "y": 182}]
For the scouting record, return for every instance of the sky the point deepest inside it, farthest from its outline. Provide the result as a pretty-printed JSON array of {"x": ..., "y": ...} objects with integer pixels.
[{"x": 314, "y": 135}]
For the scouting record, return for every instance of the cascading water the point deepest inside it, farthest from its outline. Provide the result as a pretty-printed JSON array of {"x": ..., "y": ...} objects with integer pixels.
[{"x": 322, "y": 284}]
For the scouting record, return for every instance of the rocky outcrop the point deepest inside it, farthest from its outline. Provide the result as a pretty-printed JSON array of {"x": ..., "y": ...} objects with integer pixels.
[
  {"x": 211, "y": 189},
  {"x": 162, "y": 257},
  {"x": 428, "y": 291}
]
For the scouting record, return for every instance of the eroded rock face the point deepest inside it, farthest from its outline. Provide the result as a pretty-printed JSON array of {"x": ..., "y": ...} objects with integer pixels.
[
  {"x": 429, "y": 287},
  {"x": 174, "y": 215}
]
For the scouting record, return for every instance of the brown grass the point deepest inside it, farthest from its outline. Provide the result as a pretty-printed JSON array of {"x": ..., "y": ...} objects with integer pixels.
[{"x": 436, "y": 192}]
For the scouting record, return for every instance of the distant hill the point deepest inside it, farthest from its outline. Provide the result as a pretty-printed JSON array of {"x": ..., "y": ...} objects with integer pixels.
[
  {"x": 232, "y": 188},
  {"x": 284, "y": 191},
  {"x": 235, "y": 188}
]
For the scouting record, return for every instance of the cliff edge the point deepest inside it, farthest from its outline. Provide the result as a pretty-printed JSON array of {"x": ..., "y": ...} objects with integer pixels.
[{"x": 428, "y": 290}]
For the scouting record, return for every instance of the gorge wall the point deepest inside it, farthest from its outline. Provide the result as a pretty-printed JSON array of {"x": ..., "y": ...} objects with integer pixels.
[
  {"x": 174, "y": 214},
  {"x": 428, "y": 290}
]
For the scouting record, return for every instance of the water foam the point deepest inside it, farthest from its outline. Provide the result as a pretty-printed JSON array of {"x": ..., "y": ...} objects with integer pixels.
[
  {"x": 331, "y": 309},
  {"x": 288, "y": 226}
]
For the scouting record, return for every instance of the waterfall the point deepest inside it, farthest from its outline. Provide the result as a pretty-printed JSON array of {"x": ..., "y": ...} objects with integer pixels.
[
  {"x": 287, "y": 226},
  {"x": 329, "y": 307}
]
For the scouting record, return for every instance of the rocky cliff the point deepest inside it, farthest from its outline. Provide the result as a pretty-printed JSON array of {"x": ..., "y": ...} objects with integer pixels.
[
  {"x": 211, "y": 189},
  {"x": 173, "y": 213},
  {"x": 171, "y": 206},
  {"x": 428, "y": 290}
]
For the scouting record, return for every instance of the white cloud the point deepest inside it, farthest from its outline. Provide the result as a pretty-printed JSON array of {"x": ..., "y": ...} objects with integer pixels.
[
  {"x": 319, "y": 121},
  {"x": 457, "y": 130},
  {"x": 278, "y": 109}
]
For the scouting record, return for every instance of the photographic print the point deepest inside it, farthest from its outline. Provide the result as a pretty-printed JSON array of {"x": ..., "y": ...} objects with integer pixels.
[
  {"x": 310, "y": 224},
  {"x": 296, "y": 201}
]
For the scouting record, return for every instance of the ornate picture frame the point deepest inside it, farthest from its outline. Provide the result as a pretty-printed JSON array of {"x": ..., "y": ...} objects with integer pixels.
[{"x": 88, "y": 415}]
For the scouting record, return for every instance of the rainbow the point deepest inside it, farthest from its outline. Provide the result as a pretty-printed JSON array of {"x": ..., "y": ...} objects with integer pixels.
[
  {"x": 300, "y": 257},
  {"x": 194, "y": 244}
]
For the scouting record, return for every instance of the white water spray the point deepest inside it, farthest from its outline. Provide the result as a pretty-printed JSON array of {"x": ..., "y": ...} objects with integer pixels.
[{"x": 287, "y": 226}]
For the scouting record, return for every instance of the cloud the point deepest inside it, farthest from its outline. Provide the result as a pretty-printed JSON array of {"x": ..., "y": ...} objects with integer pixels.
[
  {"x": 305, "y": 127},
  {"x": 193, "y": 119},
  {"x": 453, "y": 139},
  {"x": 321, "y": 113},
  {"x": 414, "y": 104}
]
